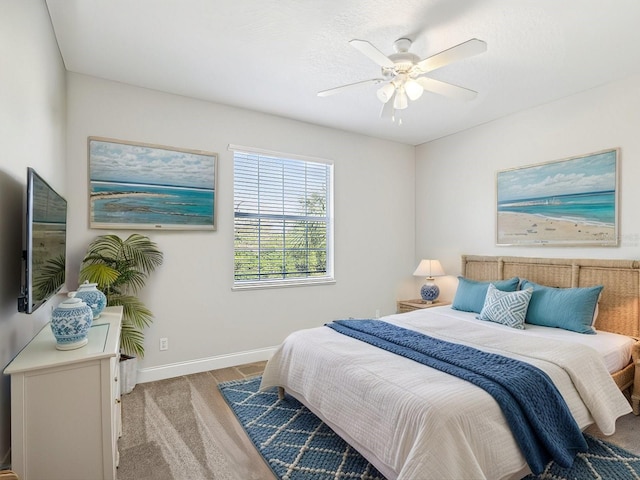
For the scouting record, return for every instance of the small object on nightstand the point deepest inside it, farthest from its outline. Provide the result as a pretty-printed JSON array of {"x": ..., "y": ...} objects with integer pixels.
[
  {"x": 429, "y": 268},
  {"x": 404, "y": 306}
]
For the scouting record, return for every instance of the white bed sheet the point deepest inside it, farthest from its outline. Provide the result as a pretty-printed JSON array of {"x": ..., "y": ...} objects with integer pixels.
[
  {"x": 614, "y": 349},
  {"x": 413, "y": 422}
]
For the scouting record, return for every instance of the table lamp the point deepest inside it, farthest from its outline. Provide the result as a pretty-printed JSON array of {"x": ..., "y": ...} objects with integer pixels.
[{"x": 429, "y": 269}]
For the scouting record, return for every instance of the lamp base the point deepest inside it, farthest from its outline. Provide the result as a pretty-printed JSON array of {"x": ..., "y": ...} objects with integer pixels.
[{"x": 429, "y": 292}]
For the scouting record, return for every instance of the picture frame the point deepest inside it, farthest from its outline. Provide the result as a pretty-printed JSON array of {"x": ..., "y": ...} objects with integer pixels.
[
  {"x": 568, "y": 202},
  {"x": 143, "y": 186}
]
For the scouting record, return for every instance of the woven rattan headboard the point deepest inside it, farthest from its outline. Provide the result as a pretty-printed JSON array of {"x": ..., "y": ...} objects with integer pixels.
[{"x": 619, "y": 309}]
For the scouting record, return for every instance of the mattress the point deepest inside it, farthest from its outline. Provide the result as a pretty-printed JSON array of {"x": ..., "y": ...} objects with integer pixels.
[
  {"x": 614, "y": 349},
  {"x": 411, "y": 421}
]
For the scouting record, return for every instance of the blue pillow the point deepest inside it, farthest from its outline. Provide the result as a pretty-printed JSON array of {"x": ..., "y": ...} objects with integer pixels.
[
  {"x": 568, "y": 308},
  {"x": 470, "y": 294},
  {"x": 506, "y": 308}
]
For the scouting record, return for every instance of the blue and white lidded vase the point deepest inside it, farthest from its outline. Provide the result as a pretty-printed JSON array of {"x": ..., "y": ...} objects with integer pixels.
[
  {"x": 93, "y": 297},
  {"x": 70, "y": 323}
]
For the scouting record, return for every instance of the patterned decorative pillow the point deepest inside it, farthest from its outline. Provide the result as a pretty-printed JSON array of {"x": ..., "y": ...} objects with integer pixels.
[{"x": 507, "y": 308}]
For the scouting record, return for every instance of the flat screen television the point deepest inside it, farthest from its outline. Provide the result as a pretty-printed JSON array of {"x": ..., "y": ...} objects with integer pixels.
[{"x": 45, "y": 244}]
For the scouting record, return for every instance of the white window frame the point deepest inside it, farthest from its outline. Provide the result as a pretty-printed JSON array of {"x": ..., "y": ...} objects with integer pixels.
[{"x": 328, "y": 278}]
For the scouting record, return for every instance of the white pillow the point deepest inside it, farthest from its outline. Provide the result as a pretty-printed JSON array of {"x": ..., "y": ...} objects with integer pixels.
[{"x": 506, "y": 308}]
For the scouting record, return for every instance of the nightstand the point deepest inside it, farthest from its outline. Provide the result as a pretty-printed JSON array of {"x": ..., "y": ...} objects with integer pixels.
[{"x": 404, "y": 306}]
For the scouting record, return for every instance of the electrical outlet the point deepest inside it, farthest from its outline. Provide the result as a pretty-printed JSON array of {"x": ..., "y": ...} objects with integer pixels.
[
  {"x": 377, "y": 313},
  {"x": 164, "y": 344}
]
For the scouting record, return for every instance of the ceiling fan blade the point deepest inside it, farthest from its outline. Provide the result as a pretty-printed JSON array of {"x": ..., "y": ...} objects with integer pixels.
[
  {"x": 372, "y": 52},
  {"x": 446, "y": 89},
  {"x": 459, "y": 52},
  {"x": 332, "y": 91}
]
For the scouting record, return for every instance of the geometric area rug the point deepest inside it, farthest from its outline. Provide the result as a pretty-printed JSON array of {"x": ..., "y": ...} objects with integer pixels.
[
  {"x": 297, "y": 445},
  {"x": 603, "y": 461}
]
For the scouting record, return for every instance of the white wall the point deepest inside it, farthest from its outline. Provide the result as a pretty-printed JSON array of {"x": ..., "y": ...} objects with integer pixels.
[
  {"x": 191, "y": 297},
  {"x": 457, "y": 174},
  {"x": 383, "y": 223},
  {"x": 32, "y": 133}
]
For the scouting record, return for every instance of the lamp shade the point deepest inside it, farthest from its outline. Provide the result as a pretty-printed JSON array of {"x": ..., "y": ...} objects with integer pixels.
[
  {"x": 385, "y": 93},
  {"x": 429, "y": 268},
  {"x": 400, "y": 102},
  {"x": 414, "y": 89}
]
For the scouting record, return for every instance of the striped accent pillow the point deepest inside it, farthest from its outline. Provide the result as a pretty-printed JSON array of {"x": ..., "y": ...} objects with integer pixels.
[{"x": 506, "y": 308}]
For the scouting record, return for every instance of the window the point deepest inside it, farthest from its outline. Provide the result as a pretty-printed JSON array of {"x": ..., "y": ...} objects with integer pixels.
[{"x": 282, "y": 219}]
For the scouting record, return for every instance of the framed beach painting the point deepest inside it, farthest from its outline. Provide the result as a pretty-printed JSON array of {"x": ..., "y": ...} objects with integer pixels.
[
  {"x": 568, "y": 202},
  {"x": 141, "y": 186}
]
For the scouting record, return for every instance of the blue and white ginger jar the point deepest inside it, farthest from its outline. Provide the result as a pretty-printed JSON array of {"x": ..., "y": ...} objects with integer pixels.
[
  {"x": 70, "y": 323},
  {"x": 93, "y": 297}
]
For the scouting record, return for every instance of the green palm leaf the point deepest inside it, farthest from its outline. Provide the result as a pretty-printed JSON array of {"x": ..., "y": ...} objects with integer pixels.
[
  {"x": 120, "y": 268},
  {"x": 99, "y": 273},
  {"x": 51, "y": 277},
  {"x": 133, "y": 310},
  {"x": 131, "y": 340},
  {"x": 142, "y": 253}
]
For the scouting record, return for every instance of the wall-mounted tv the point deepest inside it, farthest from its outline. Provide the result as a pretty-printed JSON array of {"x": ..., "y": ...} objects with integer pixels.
[{"x": 45, "y": 244}]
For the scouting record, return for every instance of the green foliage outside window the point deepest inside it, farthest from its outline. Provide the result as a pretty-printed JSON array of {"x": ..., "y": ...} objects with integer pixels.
[{"x": 283, "y": 247}]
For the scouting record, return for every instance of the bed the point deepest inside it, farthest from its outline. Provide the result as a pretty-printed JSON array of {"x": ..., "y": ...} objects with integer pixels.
[{"x": 412, "y": 421}]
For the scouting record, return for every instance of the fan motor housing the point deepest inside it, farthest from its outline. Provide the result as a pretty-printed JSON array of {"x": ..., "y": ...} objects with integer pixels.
[{"x": 403, "y": 59}]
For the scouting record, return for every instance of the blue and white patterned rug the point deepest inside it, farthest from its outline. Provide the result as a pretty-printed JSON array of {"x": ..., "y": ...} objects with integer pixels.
[
  {"x": 603, "y": 461},
  {"x": 298, "y": 446}
]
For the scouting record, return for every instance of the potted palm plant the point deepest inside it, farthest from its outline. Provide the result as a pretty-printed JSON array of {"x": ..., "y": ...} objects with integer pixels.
[{"x": 120, "y": 268}]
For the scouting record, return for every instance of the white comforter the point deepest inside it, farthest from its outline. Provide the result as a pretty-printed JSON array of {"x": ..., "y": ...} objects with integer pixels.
[{"x": 413, "y": 422}]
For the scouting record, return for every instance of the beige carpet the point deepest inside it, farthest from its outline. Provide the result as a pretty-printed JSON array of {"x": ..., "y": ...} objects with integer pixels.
[{"x": 182, "y": 429}]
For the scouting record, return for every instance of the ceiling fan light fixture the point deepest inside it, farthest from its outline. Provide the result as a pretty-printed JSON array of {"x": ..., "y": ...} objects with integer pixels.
[
  {"x": 414, "y": 89},
  {"x": 386, "y": 92},
  {"x": 402, "y": 74},
  {"x": 400, "y": 102}
]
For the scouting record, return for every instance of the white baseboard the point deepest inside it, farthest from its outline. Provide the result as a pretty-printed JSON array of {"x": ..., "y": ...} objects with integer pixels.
[{"x": 203, "y": 364}]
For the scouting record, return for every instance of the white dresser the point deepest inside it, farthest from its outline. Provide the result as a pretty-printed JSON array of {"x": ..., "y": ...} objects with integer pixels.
[{"x": 65, "y": 405}]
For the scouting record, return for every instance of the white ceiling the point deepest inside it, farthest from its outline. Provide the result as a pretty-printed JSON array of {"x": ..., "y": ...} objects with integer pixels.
[{"x": 273, "y": 56}]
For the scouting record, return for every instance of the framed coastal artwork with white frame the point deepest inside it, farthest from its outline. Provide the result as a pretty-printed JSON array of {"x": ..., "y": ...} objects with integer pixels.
[
  {"x": 570, "y": 202},
  {"x": 143, "y": 186}
]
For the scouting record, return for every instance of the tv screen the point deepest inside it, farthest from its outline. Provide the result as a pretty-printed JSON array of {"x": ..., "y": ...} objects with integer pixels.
[{"x": 45, "y": 243}]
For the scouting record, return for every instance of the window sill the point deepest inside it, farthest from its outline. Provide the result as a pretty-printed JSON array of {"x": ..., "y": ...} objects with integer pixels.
[{"x": 282, "y": 283}]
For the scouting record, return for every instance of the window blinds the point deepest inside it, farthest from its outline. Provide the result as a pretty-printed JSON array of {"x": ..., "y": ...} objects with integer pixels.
[{"x": 281, "y": 218}]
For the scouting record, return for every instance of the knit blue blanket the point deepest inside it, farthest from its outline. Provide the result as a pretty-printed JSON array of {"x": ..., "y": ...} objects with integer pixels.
[{"x": 537, "y": 414}]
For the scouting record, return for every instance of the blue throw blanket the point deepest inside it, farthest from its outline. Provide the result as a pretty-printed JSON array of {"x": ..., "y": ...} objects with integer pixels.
[{"x": 537, "y": 414}]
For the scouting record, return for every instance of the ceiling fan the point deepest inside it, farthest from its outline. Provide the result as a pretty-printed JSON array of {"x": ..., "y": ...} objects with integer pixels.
[{"x": 403, "y": 71}]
